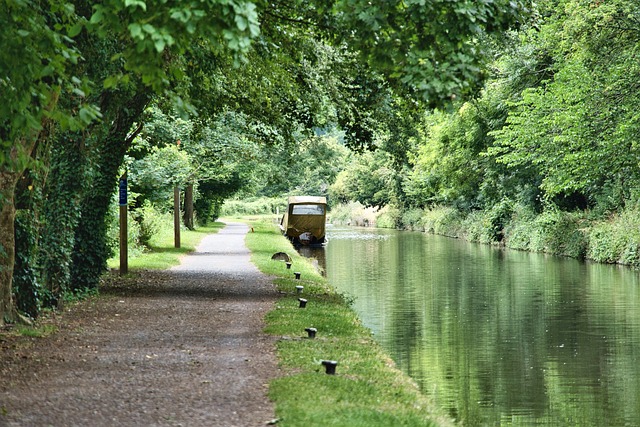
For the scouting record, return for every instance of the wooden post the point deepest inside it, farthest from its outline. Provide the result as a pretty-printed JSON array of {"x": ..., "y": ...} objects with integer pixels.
[
  {"x": 176, "y": 216},
  {"x": 124, "y": 231}
]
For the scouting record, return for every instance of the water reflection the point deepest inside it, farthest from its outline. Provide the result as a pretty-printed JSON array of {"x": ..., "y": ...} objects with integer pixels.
[
  {"x": 498, "y": 337},
  {"x": 317, "y": 257}
]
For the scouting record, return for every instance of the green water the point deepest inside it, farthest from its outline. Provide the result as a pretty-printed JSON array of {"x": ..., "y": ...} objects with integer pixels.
[{"x": 498, "y": 337}]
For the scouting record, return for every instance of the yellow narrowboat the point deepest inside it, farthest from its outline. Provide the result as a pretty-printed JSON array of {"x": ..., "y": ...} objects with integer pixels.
[{"x": 304, "y": 221}]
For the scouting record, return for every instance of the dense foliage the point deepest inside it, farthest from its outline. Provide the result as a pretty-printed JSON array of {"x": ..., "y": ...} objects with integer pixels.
[
  {"x": 547, "y": 150},
  {"x": 247, "y": 84}
]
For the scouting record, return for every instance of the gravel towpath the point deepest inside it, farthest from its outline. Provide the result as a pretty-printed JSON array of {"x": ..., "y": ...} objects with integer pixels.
[{"x": 182, "y": 347}]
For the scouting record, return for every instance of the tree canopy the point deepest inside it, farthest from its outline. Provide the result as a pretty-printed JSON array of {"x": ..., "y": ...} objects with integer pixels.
[{"x": 77, "y": 77}]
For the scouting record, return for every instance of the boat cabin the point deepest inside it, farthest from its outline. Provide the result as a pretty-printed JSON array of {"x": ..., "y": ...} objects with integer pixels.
[{"x": 304, "y": 221}]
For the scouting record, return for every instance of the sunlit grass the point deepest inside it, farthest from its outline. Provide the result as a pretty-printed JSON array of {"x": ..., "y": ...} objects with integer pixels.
[{"x": 162, "y": 253}]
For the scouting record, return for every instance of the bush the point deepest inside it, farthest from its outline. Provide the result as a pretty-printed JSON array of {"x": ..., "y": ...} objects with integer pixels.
[
  {"x": 475, "y": 227},
  {"x": 488, "y": 226},
  {"x": 149, "y": 220},
  {"x": 341, "y": 213},
  {"x": 353, "y": 213},
  {"x": 497, "y": 218},
  {"x": 605, "y": 243},
  {"x": 133, "y": 232},
  {"x": 559, "y": 233},
  {"x": 388, "y": 217},
  {"x": 520, "y": 228},
  {"x": 26, "y": 288},
  {"x": 412, "y": 220},
  {"x": 617, "y": 239},
  {"x": 446, "y": 221},
  {"x": 254, "y": 206}
]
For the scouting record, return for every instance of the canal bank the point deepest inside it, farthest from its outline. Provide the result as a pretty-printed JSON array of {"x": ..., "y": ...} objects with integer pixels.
[
  {"x": 609, "y": 238},
  {"x": 367, "y": 389}
]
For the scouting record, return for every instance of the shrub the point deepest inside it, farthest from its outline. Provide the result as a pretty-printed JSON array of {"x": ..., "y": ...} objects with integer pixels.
[
  {"x": 605, "y": 244},
  {"x": 254, "y": 206},
  {"x": 520, "y": 229},
  {"x": 616, "y": 239},
  {"x": 388, "y": 217},
  {"x": 474, "y": 227},
  {"x": 497, "y": 218},
  {"x": 149, "y": 220},
  {"x": 446, "y": 221},
  {"x": 26, "y": 288},
  {"x": 353, "y": 213},
  {"x": 133, "y": 232},
  {"x": 559, "y": 233},
  {"x": 412, "y": 219}
]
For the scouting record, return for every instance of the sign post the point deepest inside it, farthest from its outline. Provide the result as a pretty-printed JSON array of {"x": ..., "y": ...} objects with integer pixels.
[{"x": 124, "y": 256}]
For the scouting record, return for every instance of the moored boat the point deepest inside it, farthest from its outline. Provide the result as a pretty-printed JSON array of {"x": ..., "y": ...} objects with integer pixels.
[{"x": 304, "y": 221}]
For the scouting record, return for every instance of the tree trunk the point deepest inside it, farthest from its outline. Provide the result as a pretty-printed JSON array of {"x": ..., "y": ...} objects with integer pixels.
[
  {"x": 61, "y": 213},
  {"x": 91, "y": 250},
  {"x": 188, "y": 207},
  {"x": 8, "y": 182},
  {"x": 10, "y": 171},
  {"x": 176, "y": 217}
]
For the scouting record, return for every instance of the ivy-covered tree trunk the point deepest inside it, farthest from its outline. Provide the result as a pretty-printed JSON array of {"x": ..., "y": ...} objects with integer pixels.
[
  {"x": 15, "y": 161},
  {"x": 61, "y": 214},
  {"x": 8, "y": 181},
  {"x": 92, "y": 248},
  {"x": 26, "y": 286},
  {"x": 188, "y": 207}
]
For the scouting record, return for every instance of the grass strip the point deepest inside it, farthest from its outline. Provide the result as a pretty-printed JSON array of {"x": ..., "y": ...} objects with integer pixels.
[
  {"x": 367, "y": 389},
  {"x": 162, "y": 254}
]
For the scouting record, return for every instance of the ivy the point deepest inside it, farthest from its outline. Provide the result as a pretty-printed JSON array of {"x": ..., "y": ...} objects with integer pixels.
[
  {"x": 26, "y": 288},
  {"x": 61, "y": 214}
]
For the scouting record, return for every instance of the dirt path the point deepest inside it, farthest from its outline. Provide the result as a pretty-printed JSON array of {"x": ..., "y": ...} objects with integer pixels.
[{"x": 178, "y": 348}]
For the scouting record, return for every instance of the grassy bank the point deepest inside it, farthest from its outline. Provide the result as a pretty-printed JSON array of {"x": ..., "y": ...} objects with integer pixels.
[
  {"x": 367, "y": 389},
  {"x": 612, "y": 238},
  {"x": 162, "y": 252}
]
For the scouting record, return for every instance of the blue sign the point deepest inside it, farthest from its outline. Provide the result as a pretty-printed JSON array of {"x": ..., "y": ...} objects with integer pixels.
[{"x": 123, "y": 192}]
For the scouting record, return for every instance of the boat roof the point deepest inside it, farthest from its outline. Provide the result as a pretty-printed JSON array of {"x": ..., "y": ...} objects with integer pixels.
[{"x": 301, "y": 200}]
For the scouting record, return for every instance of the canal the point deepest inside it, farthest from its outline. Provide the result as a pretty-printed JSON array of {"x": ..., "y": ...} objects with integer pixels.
[{"x": 497, "y": 337}]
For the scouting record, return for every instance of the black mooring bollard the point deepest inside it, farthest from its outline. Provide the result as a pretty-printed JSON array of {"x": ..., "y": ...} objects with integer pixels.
[
  {"x": 330, "y": 366},
  {"x": 288, "y": 265},
  {"x": 297, "y": 275},
  {"x": 299, "y": 289},
  {"x": 303, "y": 302},
  {"x": 311, "y": 332}
]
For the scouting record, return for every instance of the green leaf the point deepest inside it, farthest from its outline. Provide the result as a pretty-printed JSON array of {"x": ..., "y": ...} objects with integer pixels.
[
  {"x": 241, "y": 22},
  {"x": 135, "y": 30},
  {"x": 75, "y": 29},
  {"x": 149, "y": 29},
  {"x": 159, "y": 44},
  {"x": 111, "y": 82},
  {"x": 136, "y": 3},
  {"x": 97, "y": 16}
]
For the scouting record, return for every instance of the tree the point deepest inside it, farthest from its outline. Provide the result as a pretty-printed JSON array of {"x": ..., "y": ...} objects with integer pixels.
[
  {"x": 38, "y": 65},
  {"x": 431, "y": 49},
  {"x": 577, "y": 127},
  {"x": 35, "y": 64},
  {"x": 369, "y": 179}
]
